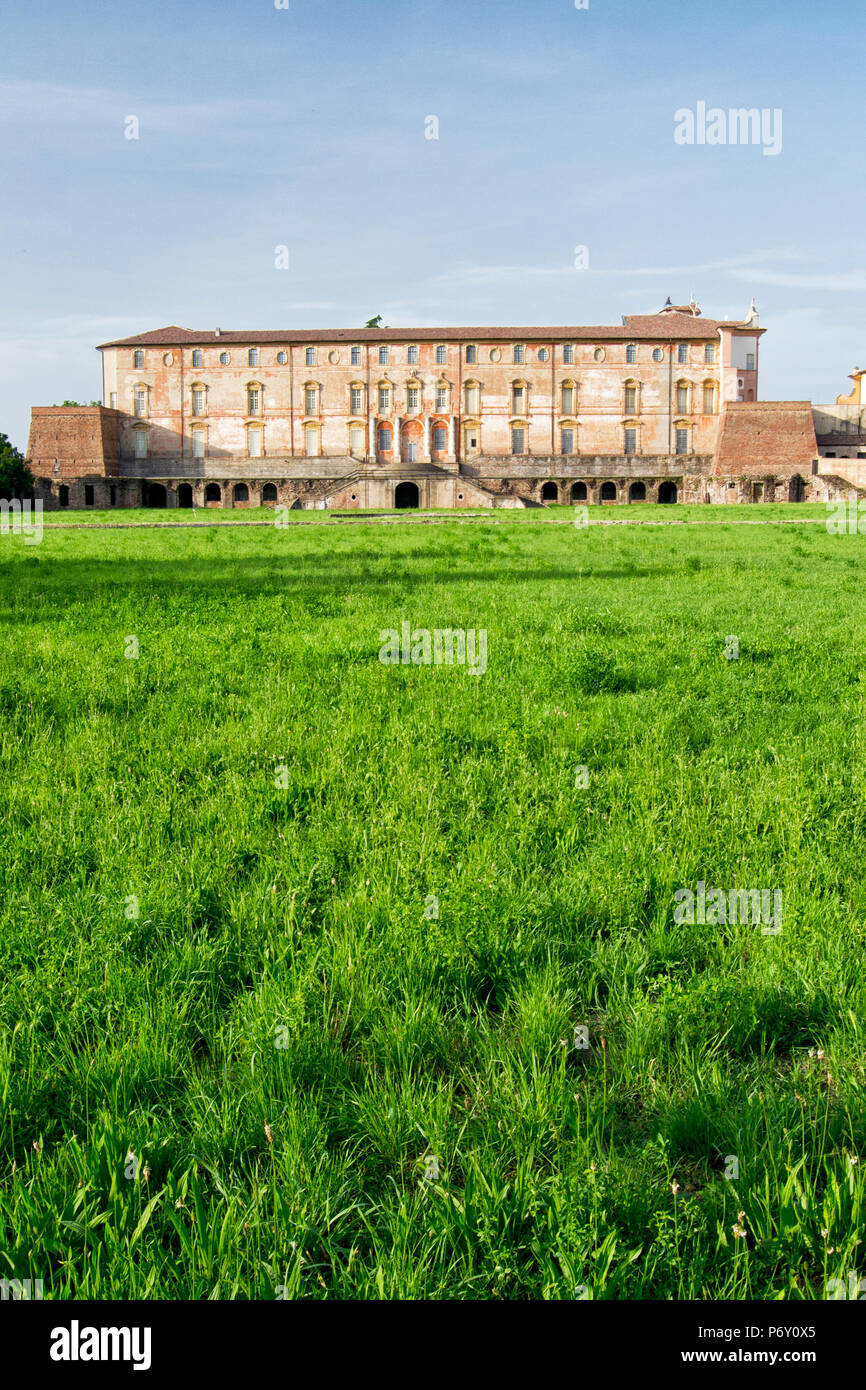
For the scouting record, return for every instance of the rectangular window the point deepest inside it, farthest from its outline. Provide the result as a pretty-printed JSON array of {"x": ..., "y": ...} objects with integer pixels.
[
  {"x": 518, "y": 441},
  {"x": 441, "y": 355},
  {"x": 384, "y": 400},
  {"x": 682, "y": 400},
  {"x": 196, "y": 357},
  {"x": 630, "y": 445},
  {"x": 356, "y": 357},
  {"x": 253, "y": 402},
  {"x": 310, "y": 400},
  {"x": 311, "y": 441},
  {"x": 141, "y": 403},
  {"x": 568, "y": 352},
  {"x": 356, "y": 440},
  {"x": 440, "y": 439},
  {"x": 568, "y": 441},
  {"x": 682, "y": 441},
  {"x": 442, "y": 398},
  {"x": 112, "y": 496},
  {"x": 412, "y": 355},
  {"x": 709, "y": 400},
  {"x": 412, "y": 397},
  {"x": 471, "y": 354},
  {"x": 631, "y": 353},
  {"x": 519, "y": 353},
  {"x": 357, "y": 400},
  {"x": 138, "y": 358},
  {"x": 254, "y": 357},
  {"x": 750, "y": 361},
  {"x": 254, "y": 443},
  {"x": 518, "y": 400},
  {"x": 141, "y": 444},
  {"x": 473, "y": 403},
  {"x": 198, "y": 438},
  {"x": 630, "y": 400},
  {"x": 568, "y": 400},
  {"x": 383, "y": 357},
  {"x": 88, "y": 494},
  {"x": 198, "y": 402},
  {"x": 683, "y": 352},
  {"x": 710, "y": 352},
  {"x": 113, "y": 400},
  {"x": 310, "y": 357}
]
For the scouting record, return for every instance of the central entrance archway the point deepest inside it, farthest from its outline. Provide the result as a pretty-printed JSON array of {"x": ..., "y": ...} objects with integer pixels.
[{"x": 406, "y": 496}]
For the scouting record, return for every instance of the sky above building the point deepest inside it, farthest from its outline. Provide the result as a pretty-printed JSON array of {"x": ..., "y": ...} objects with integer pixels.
[{"x": 432, "y": 161}]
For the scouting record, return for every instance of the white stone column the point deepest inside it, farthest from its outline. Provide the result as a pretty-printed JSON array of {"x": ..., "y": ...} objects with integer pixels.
[
  {"x": 450, "y": 436},
  {"x": 427, "y": 438}
]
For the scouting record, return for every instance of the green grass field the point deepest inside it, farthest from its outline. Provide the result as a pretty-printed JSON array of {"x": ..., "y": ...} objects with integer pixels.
[{"x": 296, "y": 946}]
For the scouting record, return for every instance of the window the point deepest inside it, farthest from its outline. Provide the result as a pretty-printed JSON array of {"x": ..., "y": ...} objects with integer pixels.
[
  {"x": 568, "y": 398},
  {"x": 356, "y": 357},
  {"x": 310, "y": 357},
  {"x": 471, "y": 354},
  {"x": 413, "y": 396},
  {"x": 412, "y": 355},
  {"x": 383, "y": 356},
  {"x": 519, "y": 352},
  {"x": 568, "y": 352},
  {"x": 112, "y": 496},
  {"x": 568, "y": 441},
  {"x": 657, "y": 354},
  {"x": 630, "y": 398},
  {"x": 212, "y": 492},
  {"x": 630, "y": 441},
  {"x": 356, "y": 440},
  {"x": 518, "y": 399},
  {"x": 141, "y": 444},
  {"x": 140, "y": 408},
  {"x": 710, "y": 352},
  {"x": 254, "y": 441},
  {"x": 442, "y": 394},
  {"x": 709, "y": 398},
  {"x": 750, "y": 361},
  {"x": 682, "y": 441},
  {"x": 441, "y": 354},
  {"x": 682, "y": 352},
  {"x": 518, "y": 440},
  {"x": 440, "y": 439},
  {"x": 196, "y": 357},
  {"x": 682, "y": 398},
  {"x": 311, "y": 441},
  {"x": 224, "y": 359},
  {"x": 254, "y": 400},
  {"x": 385, "y": 438},
  {"x": 64, "y": 496},
  {"x": 198, "y": 400},
  {"x": 473, "y": 398},
  {"x": 543, "y": 354},
  {"x": 198, "y": 441},
  {"x": 269, "y": 492},
  {"x": 384, "y": 399},
  {"x": 88, "y": 494},
  {"x": 112, "y": 399},
  {"x": 253, "y": 357},
  {"x": 311, "y": 400},
  {"x": 282, "y": 358},
  {"x": 138, "y": 358},
  {"x": 241, "y": 491},
  {"x": 631, "y": 353},
  {"x": 357, "y": 400}
]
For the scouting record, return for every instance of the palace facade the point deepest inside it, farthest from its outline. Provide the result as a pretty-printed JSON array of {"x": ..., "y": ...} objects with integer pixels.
[{"x": 662, "y": 407}]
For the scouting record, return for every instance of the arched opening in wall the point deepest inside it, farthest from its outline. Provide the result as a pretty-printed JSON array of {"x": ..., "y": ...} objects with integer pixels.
[
  {"x": 155, "y": 496},
  {"x": 413, "y": 434},
  {"x": 608, "y": 492},
  {"x": 269, "y": 493},
  {"x": 637, "y": 492},
  {"x": 550, "y": 493},
  {"x": 750, "y": 395},
  {"x": 578, "y": 492},
  {"x": 406, "y": 496},
  {"x": 385, "y": 439},
  {"x": 668, "y": 492},
  {"x": 184, "y": 495},
  {"x": 796, "y": 489},
  {"x": 212, "y": 494},
  {"x": 64, "y": 495},
  {"x": 241, "y": 494}
]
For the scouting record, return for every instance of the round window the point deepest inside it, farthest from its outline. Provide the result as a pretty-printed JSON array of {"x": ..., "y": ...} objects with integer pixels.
[
  {"x": 333, "y": 358},
  {"x": 495, "y": 354},
  {"x": 168, "y": 358},
  {"x": 657, "y": 354},
  {"x": 282, "y": 358},
  {"x": 543, "y": 354},
  {"x": 599, "y": 354},
  {"x": 224, "y": 359}
]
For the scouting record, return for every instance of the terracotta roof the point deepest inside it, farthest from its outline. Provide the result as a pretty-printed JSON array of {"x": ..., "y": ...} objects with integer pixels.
[{"x": 661, "y": 327}]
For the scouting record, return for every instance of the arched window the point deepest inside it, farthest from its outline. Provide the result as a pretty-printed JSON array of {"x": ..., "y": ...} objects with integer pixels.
[
  {"x": 637, "y": 492},
  {"x": 578, "y": 492},
  {"x": 241, "y": 492},
  {"x": 213, "y": 493},
  {"x": 630, "y": 398},
  {"x": 683, "y": 393},
  {"x": 608, "y": 492},
  {"x": 269, "y": 492},
  {"x": 550, "y": 493},
  {"x": 568, "y": 394}
]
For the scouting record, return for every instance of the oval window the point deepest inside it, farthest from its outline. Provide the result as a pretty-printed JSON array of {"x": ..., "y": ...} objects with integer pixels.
[
  {"x": 657, "y": 354},
  {"x": 168, "y": 358},
  {"x": 333, "y": 358},
  {"x": 495, "y": 354},
  {"x": 282, "y": 358},
  {"x": 599, "y": 354},
  {"x": 224, "y": 359}
]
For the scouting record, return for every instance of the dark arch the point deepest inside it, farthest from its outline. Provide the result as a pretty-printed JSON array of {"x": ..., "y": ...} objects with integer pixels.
[
  {"x": 637, "y": 492},
  {"x": 406, "y": 495},
  {"x": 608, "y": 492},
  {"x": 269, "y": 492},
  {"x": 241, "y": 492},
  {"x": 550, "y": 493},
  {"x": 578, "y": 492},
  {"x": 212, "y": 493},
  {"x": 796, "y": 488},
  {"x": 184, "y": 495},
  {"x": 668, "y": 492},
  {"x": 64, "y": 495},
  {"x": 155, "y": 495}
]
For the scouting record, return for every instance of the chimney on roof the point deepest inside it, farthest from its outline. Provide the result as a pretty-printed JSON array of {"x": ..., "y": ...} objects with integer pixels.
[{"x": 217, "y": 332}]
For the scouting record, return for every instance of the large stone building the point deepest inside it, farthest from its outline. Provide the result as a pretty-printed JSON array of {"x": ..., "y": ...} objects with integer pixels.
[{"x": 663, "y": 407}]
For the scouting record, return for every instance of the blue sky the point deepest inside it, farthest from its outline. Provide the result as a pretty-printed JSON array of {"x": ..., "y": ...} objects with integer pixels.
[{"x": 305, "y": 127}]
